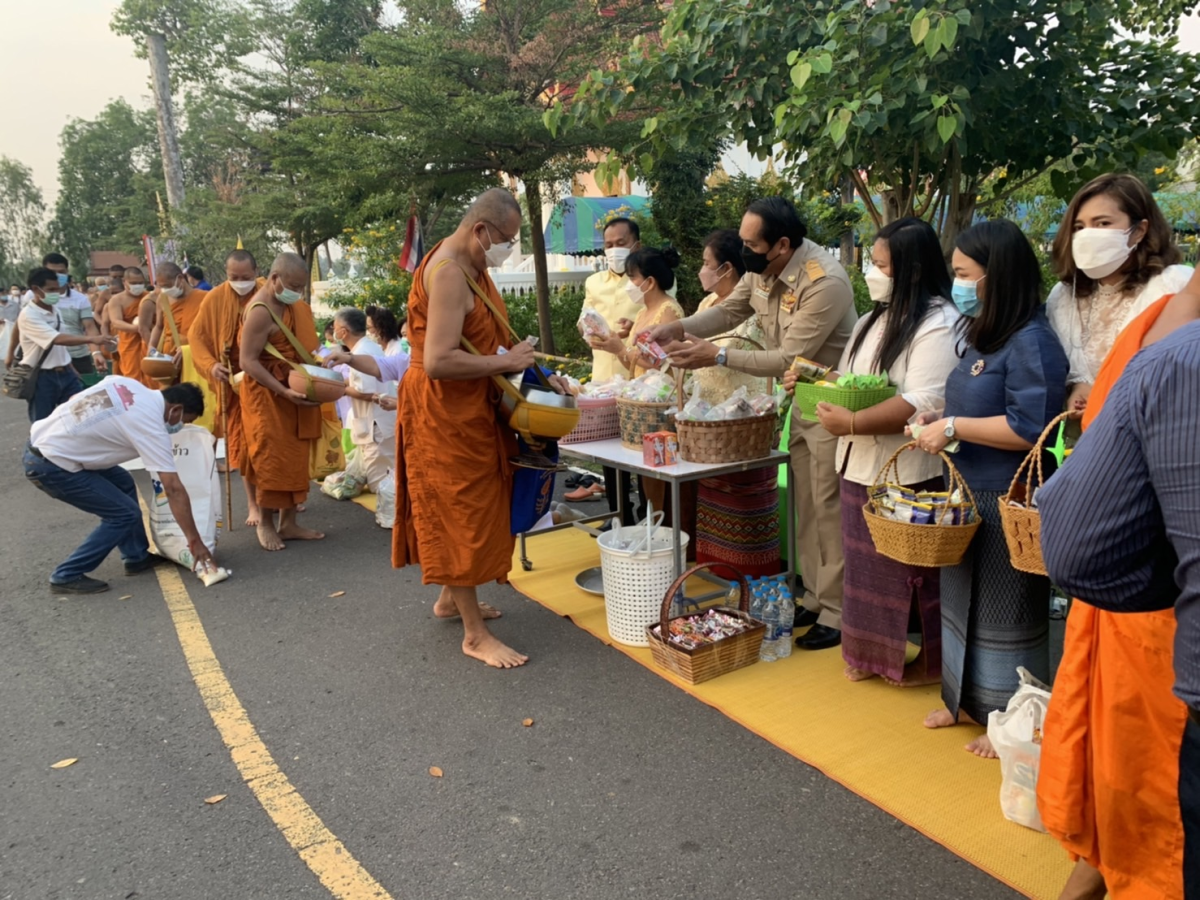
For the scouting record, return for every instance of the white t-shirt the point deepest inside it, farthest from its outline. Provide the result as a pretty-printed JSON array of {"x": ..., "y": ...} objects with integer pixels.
[
  {"x": 39, "y": 327},
  {"x": 74, "y": 308},
  {"x": 365, "y": 413},
  {"x": 105, "y": 425}
]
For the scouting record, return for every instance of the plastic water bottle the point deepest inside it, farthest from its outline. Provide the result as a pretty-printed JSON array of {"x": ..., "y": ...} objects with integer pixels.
[
  {"x": 770, "y": 618},
  {"x": 785, "y": 614}
]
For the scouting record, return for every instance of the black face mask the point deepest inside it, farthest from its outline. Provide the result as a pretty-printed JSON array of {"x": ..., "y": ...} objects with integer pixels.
[{"x": 755, "y": 262}]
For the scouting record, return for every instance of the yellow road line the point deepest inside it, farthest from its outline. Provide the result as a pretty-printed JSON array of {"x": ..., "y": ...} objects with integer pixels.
[{"x": 325, "y": 855}]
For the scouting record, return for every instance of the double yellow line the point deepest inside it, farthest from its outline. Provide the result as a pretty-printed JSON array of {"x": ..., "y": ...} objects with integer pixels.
[{"x": 327, "y": 857}]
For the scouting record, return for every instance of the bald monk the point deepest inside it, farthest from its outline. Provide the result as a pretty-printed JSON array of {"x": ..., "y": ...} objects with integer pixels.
[
  {"x": 179, "y": 303},
  {"x": 279, "y": 423},
  {"x": 213, "y": 340},
  {"x": 453, "y": 478},
  {"x": 122, "y": 312}
]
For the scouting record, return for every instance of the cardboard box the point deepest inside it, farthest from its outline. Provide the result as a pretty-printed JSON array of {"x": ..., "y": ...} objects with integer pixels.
[{"x": 660, "y": 448}]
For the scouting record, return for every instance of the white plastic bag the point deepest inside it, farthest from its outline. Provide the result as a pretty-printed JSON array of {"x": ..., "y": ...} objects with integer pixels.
[
  {"x": 1016, "y": 735},
  {"x": 196, "y": 465},
  {"x": 385, "y": 501}
]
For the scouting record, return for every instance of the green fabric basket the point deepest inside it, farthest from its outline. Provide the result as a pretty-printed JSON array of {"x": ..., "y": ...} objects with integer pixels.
[{"x": 809, "y": 395}]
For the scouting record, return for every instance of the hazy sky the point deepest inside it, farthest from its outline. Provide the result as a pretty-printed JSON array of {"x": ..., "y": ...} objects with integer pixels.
[{"x": 40, "y": 93}]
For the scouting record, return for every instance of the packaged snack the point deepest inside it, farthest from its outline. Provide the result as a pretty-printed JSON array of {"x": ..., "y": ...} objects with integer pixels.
[
  {"x": 807, "y": 370},
  {"x": 592, "y": 324},
  {"x": 660, "y": 448},
  {"x": 650, "y": 348},
  {"x": 922, "y": 513},
  {"x": 862, "y": 382},
  {"x": 696, "y": 408},
  {"x": 736, "y": 407},
  {"x": 763, "y": 404}
]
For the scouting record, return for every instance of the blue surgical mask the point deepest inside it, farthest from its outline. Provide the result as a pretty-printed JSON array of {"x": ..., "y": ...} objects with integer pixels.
[
  {"x": 965, "y": 297},
  {"x": 174, "y": 428},
  {"x": 63, "y": 279},
  {"x": 287, "y": 296}
]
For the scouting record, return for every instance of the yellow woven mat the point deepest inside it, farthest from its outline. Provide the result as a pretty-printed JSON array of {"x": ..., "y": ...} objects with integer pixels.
[
  {"x": 867, "y": 736},
  {"x": 365, "y": 500}
]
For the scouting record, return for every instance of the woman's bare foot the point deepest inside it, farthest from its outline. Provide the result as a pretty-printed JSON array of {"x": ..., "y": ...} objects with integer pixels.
[
  {"x": 941, "y": 718},
  {"x": 268, "y": 536},
  {"x": 914, "y": 680},
  {"x": 853, "y": 674},
  {"x": 982, "y": 747},
  {"x": 444, "y": 608},
  {"x": 296, "y": 533},
  {"x": 487, "y": 648}
]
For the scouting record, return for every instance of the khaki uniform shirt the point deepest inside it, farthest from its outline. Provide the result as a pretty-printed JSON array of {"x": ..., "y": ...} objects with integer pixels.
[{"x": 807, "y": 311}]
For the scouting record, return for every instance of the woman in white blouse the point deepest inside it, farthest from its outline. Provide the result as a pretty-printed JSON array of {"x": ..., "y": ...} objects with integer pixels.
[
  {"x": 1114, "y": 255},
  {"x": 911, "y": 335}
]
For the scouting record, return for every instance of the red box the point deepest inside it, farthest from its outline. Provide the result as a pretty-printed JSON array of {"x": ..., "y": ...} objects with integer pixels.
[{"x": 660, "y": 448}]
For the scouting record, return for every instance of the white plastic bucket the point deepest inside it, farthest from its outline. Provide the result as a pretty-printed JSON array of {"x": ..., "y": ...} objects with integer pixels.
[{"x": 636, "y": 578}]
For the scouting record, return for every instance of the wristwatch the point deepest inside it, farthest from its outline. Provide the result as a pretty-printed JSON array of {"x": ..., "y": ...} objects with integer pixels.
[
  {"x": 721, "y": 356},
  {"x": 950, "y": 427}
]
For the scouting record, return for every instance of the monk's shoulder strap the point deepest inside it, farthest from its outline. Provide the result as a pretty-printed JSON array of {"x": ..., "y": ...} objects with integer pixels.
[
  {"x": 170, "y": 317},
  {"x": 287, "y": 333}
]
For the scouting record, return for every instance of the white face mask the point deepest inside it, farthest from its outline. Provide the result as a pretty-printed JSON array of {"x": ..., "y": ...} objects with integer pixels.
[
  {"x": 879, "y": 285},
  {"x": 243, "y": 287},
  {"x": 137, "y": 289},
  {"x": 616, "y": 257},
  {"x": 636, "y": 294},
  {"x": 497, "y": 253},
  {"x": 174, "y": 292},
  {"x": 1100, "y": 251}
]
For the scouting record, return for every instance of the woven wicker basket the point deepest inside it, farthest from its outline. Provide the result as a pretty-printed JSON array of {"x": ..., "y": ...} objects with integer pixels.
[
  {"x": 710, "y": 660},
  {"x": 638, "y": 418},
  {"x": 1023, "y": 524},
  {"x": 726, "y": 441},
  {"x": 598, "y": 421},
  {"x": 922, "y": 545},
  {"x": 809, "y": 395}
]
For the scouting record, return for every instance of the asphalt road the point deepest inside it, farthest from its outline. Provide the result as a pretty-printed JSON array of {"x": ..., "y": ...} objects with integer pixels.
[{"x": 356, "y": 697}]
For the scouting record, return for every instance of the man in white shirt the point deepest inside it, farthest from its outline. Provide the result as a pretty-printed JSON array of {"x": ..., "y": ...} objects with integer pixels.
[
  {"x": 75, "y": 456},
  {"x": 372, "y": 428},
  {"x": 44, "y": 345},
  {"x": 78, "y": 319}
]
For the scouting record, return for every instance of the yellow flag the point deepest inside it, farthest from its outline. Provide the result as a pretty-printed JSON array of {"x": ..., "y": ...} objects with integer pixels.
[{"x": 239, "y": 246}]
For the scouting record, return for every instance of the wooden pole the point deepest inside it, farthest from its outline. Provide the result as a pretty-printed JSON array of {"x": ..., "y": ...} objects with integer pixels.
[{"x": 225, "y": 429}]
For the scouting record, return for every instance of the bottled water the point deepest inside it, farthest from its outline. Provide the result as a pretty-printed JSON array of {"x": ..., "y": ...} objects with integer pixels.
[
  {"x": 785, "y": 608},
  {"x": 770, "y": 618}
]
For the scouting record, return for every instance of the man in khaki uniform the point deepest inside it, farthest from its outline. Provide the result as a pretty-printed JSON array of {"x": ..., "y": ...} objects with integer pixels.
[{"x": 805, "y": 305}]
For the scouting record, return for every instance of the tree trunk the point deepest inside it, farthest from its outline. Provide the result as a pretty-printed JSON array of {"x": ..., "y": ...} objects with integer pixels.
[
  {"x": 847, "y": 247},
  {"x": 537, "y": 237},
  {"x": 168, "y": 136}
]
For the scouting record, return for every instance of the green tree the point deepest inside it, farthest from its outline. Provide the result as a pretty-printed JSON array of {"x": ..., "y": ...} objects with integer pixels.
[
  {"x": 920, "y": 103},
  {"x": 21, "y": 223}
]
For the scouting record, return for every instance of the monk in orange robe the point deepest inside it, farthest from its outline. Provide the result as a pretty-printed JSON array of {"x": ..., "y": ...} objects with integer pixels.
[
  {"x": 175, "y": 293},
  {"x": 1108, "y": 787},
  {"x": 453, "y": 478},
  {"x": 123, "y": 310},
  {"x": 213, "y": 340},
  {"x": 279, "y": 423}
]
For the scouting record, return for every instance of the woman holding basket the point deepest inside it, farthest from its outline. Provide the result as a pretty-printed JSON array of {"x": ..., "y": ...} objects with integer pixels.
[
  {"x": 1009, "y": 383},
  {"x": 910, "y": 335}
]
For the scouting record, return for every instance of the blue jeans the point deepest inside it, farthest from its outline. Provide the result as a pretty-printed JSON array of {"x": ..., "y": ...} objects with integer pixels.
[
  {"x": 107, "y": 493},
  {"x": 53, "y": 388}
]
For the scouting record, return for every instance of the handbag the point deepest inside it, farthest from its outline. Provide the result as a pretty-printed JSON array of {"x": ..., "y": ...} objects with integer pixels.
[{"x": 20, "y": 380}]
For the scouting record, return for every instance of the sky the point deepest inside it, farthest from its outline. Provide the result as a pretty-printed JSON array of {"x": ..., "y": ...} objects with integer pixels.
[{"x": 95, "y": 66}]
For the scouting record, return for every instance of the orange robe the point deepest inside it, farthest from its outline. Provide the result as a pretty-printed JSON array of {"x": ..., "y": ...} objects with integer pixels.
[
  {"x": 1108, "y": 787},
  {"x": 184, "y": 312},
  {"x": 213, "y": 337},
  {"x": 279, "y": 434},
  {"x": 131, "y": 349},
  {"x": 453, "y": 478}
]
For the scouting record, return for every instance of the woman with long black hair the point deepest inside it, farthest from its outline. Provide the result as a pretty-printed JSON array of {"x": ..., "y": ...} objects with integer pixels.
[
  {"x": 910, "y": 336},
  {"x": 1009, "y": 383}
]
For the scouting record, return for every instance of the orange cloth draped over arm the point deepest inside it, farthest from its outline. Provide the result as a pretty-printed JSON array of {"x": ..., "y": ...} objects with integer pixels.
[
  {"x": 453, "y": 478},
  {"x": 279, "y": 433},
  {"x": 185, "y": 313},
  {"x": 1108, "y": 787}
]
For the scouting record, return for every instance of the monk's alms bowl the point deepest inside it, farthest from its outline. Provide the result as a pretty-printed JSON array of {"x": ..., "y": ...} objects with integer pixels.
[
  {"x": 542, "y": 413},
  {"x": 159, "y": 366},
  {"x": 317, "y": 384}
]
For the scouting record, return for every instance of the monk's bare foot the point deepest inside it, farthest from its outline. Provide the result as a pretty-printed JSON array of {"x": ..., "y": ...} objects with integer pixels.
[
  {"x": 982, "y": 747},
  {"x": 253, "y": 515},
  {"x": 268, "y": 536},
  {"x": 445, "y": 609},
  {"x": 1085, "y": 883},
  {"x": 941, "y": 718},
  {"x": 301, "y": 508},
  {"x": 296, "y": 533},
  {"x": 853, "y": 674},
  {"x": 494, "y": 652}
]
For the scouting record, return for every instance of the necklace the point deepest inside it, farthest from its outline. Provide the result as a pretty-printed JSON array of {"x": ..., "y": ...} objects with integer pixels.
[{"x": 1107, "y": 292}]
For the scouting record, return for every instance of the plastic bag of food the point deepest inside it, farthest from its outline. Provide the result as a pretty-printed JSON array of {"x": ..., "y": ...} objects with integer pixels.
[
  {"x": 696, "y": 408},
  {"x": 385, "y": 501},
  {"x": 592, "y": 324},
  {"x": 736, "y": 407},
  {"x": 1016, "y": 735}
]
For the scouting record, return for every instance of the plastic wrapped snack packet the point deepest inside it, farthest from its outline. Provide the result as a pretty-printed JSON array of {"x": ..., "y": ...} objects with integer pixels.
[{"x": 592, "y": 324}]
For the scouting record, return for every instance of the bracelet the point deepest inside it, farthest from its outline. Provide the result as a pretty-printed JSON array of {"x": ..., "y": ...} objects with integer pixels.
[{"x": 852, "y": 415}]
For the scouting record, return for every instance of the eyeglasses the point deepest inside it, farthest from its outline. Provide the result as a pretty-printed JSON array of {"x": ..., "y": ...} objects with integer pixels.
[{"x": 500, "y": 231}]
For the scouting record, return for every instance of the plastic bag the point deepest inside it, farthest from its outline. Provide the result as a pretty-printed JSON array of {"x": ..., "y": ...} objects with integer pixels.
[
  {"x": 736, "y": 407},
  {"x": 696, "y": 408},
  {"x": 385, "y": 501},
  {"x": 196, "y": 465},
  {"x": 1016, "y": 735},
  {"x": 349, "y": 484},
  {"x": 592, "y": 324}
]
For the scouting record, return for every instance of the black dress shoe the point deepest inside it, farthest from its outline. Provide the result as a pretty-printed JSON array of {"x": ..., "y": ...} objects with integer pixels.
[
  {"x": 572, "y": 480},
  {"x": 819, "y": 637},
  {"x": 81, "y": 585},
  {"x": 143, "y": 565},
  {"x": 804, "y": 618}
]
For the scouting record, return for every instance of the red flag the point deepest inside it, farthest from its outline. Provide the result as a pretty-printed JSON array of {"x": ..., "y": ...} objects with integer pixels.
[{"x": 414, "y": 247}]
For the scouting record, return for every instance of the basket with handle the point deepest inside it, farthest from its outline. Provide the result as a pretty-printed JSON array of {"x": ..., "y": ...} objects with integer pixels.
[
  {"x": 698, "y": 664},
  {"x": 1021, "y": 520},
  {"x": 937, "y": 544},
  {"x": 598, "y": 421},
  {"x": 637, "y": 563},
  {"x": 639, "y": 417},
  {"x": 809, "y": 395},
  {"x": 727, "y": 440}
]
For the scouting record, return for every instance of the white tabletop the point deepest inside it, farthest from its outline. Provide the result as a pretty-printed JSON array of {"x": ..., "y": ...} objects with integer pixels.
[{"x": 614, "y": 453}]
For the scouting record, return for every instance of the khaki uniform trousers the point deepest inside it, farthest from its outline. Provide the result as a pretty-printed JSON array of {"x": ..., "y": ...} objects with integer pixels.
[{"x": 818, "y": 518}]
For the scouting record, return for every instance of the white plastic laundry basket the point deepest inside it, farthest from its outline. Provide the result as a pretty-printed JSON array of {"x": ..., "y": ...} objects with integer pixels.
[{"x": 636, "y": 578}]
